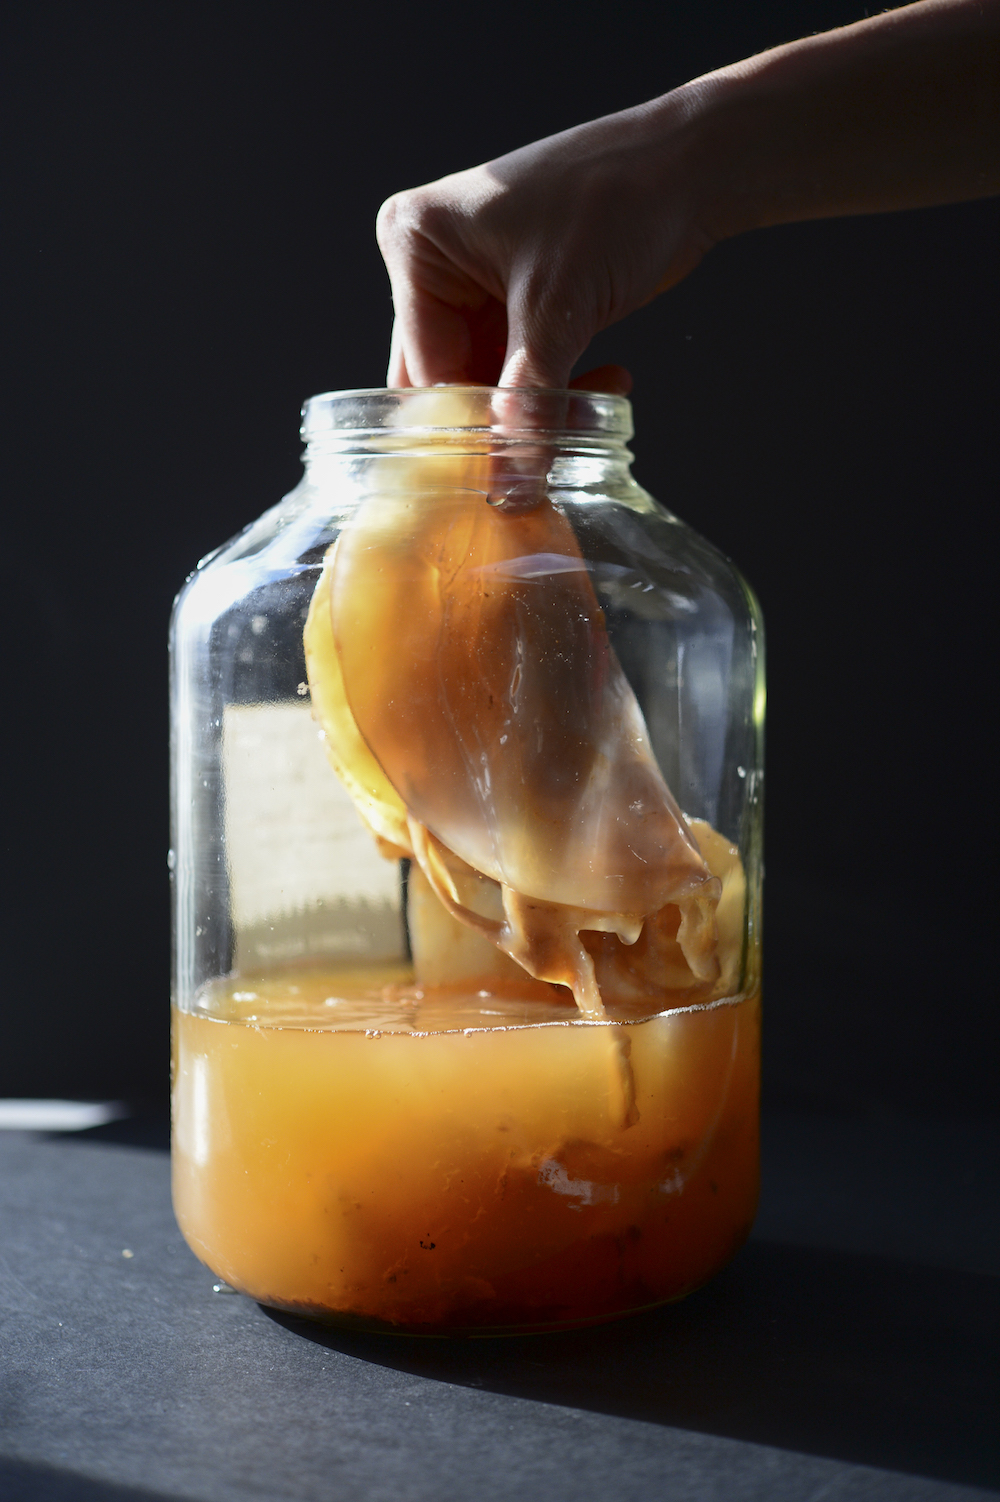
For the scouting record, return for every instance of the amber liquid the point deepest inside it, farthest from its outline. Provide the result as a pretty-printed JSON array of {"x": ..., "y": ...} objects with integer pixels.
[{"x": 350, "y": 1147}]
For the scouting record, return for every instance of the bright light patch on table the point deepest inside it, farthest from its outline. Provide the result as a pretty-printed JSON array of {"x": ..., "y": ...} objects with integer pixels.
[{"x": 58, "y": 1115}]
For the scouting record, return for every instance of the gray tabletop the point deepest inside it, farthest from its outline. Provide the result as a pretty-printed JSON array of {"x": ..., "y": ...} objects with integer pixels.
[{"x": 850, "y": 1351}]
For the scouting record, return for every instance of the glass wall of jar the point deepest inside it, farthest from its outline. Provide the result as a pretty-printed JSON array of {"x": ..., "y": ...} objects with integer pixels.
[{"x": 467, "y": 761}]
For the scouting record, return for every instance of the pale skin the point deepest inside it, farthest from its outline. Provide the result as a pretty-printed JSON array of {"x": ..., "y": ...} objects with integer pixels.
[{"x": 504, "y": 273}]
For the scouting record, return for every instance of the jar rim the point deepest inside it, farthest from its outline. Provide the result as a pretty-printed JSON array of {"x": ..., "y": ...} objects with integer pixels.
[{"x": 506, "y": 411}]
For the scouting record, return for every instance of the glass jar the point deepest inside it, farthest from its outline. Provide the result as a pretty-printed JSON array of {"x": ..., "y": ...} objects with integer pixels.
[{"x": 465, "y": 1008}]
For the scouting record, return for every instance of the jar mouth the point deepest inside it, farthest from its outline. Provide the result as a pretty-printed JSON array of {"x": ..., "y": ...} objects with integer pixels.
[{"x": 508, "y": 412}]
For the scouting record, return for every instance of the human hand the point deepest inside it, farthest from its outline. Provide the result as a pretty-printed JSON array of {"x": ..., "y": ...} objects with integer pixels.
[{"x": 502, "y": 275}]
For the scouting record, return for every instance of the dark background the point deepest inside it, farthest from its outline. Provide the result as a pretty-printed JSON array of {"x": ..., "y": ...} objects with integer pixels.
[{"x": 189, "y": 194}]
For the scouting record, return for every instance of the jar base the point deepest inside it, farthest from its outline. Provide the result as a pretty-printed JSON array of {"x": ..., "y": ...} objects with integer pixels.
[{"x": 362, "y": 1324}]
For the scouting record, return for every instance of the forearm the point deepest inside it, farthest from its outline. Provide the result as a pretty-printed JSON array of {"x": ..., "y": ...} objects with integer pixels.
[{"x": 899, "y": 111}]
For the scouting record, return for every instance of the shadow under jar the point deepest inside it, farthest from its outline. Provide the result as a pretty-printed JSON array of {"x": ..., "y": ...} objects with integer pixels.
[{"x": 467, "y": 761}]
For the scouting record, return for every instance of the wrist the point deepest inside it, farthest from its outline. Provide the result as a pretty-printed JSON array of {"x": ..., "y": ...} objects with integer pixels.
[
  {"x": 721, "y": 161},
  {"x": 753, "y": 156}
]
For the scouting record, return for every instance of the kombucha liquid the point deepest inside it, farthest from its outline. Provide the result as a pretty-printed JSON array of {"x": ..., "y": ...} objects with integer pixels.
[{"x": 351, "y": 1147}]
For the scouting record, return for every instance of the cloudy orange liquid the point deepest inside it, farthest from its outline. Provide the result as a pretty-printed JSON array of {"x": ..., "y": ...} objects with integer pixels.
[{"x": 438, "y": 1161}]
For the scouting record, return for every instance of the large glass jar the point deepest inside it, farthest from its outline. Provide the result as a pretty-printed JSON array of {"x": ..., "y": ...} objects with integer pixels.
[{"x": 467, "y": 738}]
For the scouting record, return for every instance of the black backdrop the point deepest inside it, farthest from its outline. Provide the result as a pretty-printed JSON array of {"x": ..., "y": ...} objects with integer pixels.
[{"x": 190, "y": 191}]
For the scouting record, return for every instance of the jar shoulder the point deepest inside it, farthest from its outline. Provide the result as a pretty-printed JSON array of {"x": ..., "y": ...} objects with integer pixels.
[
  {"x": 286, "y": 539},
  {"x": 636, "y": 546}
]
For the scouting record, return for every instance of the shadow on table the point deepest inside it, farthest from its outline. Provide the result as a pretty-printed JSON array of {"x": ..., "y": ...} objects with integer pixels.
[
  {"x": 24, "y": 1481},
  {"x": 849, "y": 1357}
]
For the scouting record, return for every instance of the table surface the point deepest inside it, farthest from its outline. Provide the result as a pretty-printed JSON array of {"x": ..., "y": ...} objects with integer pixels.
[{"x": 850, "y": 1351}]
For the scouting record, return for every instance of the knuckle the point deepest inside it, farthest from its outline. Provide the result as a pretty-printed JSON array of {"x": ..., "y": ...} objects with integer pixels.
[
  {"x": 387, "y": 221},
  {"x": 412, "y": 214},
  {"x": 430, "y": 217}
]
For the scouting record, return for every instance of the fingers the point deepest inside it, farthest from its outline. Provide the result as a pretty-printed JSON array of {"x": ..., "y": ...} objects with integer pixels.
[
  {"x": 434, "y": 341},
  {"x": 448, "y": 295},
  {"x": 537, "y": 354},
  {"x": 553, "y": 315},
  {"x": 613, "y": 380}
]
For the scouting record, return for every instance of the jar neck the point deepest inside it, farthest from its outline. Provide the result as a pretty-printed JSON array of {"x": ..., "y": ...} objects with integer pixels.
[{"x": 576, "y": 438}]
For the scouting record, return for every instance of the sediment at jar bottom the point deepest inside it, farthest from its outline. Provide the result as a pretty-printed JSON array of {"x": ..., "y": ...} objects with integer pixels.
[
  {"x": 498, "y": 1321},
  {"x": 472, "y": 1181}
]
